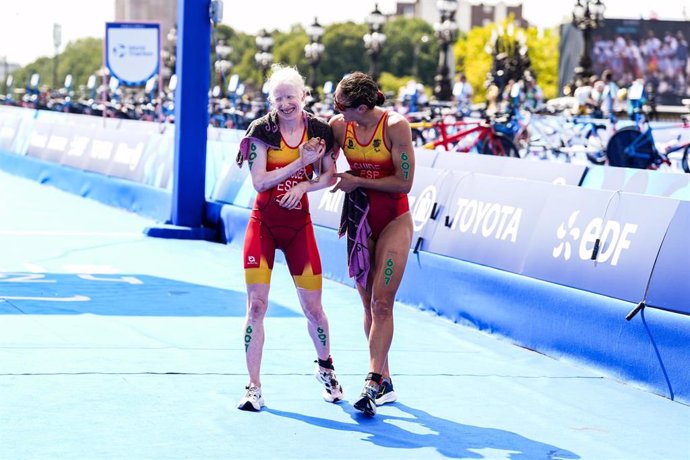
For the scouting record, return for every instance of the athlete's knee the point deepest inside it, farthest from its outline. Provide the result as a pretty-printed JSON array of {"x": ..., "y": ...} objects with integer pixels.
[
  {"x": 382, "y": 307},
  {"x": 314, "y": 312},
  {"x": 257, "y": 307}
]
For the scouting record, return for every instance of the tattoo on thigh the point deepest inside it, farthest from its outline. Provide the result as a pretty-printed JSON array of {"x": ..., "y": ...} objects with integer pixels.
[
  {"x": 322, "y": 335},
  {"x": 247, "y": 337},
  {"x": 388, "y": 271}
]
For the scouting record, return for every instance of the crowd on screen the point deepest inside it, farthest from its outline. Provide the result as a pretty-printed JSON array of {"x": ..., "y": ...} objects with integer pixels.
[{"x": 662, "y": 61}]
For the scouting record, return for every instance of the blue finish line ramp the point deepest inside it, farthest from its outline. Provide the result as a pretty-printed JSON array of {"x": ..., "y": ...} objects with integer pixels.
[{"x": 146, "y": 362}]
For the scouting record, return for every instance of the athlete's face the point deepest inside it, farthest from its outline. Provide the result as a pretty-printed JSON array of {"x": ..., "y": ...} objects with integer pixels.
[
  {"x": 342, "y": 106},
  {"x": 288, "y": 101}
]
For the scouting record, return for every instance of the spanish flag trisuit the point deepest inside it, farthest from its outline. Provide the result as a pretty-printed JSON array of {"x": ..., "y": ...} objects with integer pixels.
[
  {"x": 373, "y": 159},
  {"x": 273, "y": 227}
]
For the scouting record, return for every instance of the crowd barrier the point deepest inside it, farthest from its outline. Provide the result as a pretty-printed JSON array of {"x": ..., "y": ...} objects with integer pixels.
[{"x": 542, "y": 253}]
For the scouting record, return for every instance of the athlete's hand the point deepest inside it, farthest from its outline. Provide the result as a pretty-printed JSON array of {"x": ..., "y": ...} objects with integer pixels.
[
  {"x": 347, "y": 182},
  {"x": 292, "y": 198},
  {"x": 312, "y": 150}
]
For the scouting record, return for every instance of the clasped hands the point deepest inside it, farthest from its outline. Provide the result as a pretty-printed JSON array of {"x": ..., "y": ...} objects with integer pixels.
[{"x": 312, "y": 151}]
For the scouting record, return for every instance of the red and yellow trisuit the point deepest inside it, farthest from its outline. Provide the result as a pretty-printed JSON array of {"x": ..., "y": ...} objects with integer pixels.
[
  {"x": 373, "y": 159},
  {"x": 272, "y": 227}
]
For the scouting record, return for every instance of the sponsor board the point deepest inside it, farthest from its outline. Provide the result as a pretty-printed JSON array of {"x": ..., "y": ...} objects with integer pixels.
[
  {"x": 669, "y": 287},
  {"x": 599, "y": 241},
  {"x": 489, "y": 220},
  {"x": 544, "y": 171}
]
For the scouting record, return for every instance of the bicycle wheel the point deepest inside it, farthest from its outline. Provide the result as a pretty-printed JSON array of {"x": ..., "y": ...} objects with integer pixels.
[
  {"x": 596, "y": 149},
  {"x": 501, "y": 145},
  {"x": 629, "y": 148},
  {"x": 685, "y": 162}
]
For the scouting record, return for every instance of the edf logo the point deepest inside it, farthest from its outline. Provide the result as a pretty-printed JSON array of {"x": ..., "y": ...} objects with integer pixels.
[{"x": 613, "y": 236}]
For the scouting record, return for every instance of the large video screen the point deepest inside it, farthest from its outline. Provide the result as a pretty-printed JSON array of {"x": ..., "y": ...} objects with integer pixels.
[{"x": 656, "y": 51}]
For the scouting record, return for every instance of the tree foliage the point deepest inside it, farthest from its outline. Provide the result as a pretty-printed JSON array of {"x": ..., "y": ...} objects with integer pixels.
[
  {"x": 473, "y": 56},
  {"x": 405, "y": 55},
  {"x": 80, "y": 58}
]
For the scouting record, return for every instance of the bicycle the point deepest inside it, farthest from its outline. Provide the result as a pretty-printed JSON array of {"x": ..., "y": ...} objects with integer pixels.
[
  {"x": 636, "y": 147},
  {"x": 563, "y": 136},
  {"x": 465, "y": 136}
]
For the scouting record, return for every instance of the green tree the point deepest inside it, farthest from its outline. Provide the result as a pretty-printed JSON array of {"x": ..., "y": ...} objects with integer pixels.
[
  {"x": 474, "y": 58},
  {"x": 344, "y": 51},
  {"x": 80, "y": 58},
  {"x": 406, "y": 54}
]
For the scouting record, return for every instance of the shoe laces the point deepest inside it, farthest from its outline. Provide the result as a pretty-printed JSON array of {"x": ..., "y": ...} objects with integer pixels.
[
  {"x": 253, "y": 392},
  {"x": 328, "y": 377}
]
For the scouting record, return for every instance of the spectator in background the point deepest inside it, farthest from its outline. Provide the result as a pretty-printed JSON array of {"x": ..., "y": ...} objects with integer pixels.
[{"x": 462, "y": 92}]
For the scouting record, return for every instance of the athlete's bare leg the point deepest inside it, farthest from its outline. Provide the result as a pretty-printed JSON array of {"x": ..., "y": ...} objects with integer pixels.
[
  {"x": 317, "y": 322},
  {"x": 253, "y": 332},
  {"x": 390, "y": 258}
]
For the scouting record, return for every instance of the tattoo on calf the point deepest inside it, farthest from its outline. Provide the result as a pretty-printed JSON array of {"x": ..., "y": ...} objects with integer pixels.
[
  {"x": 322, "y": 335},
  {"x": 247, "y": 337}
]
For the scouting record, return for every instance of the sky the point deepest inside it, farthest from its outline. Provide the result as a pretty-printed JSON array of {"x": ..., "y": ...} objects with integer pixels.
[{"x": 26, "y": 27}]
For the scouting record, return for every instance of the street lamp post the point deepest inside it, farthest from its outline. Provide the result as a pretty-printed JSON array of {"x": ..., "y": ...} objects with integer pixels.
[
  {"x": 588, "y": 15},
  {"x": 446, "y": 31},
  {"x": 510, "y": 58},
  {"x": 374, "y": 40},
  {"x": 313, "y": 51},
  {"x": 57, "y": 41},
  {"x": 264, "y": 57},
  {"x": 222, "y": 64}
]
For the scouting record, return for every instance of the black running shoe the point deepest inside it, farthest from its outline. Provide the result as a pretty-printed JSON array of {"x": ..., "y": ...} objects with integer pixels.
[{"x": 367, "y": 400}]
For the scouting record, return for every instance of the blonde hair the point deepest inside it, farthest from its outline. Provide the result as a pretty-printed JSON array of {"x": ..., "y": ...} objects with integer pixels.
[{"x": 285, "y": 75}]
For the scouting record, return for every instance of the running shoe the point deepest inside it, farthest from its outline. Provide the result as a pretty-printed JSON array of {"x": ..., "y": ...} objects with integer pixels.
[
  {"x": 332, "y": 391},
  {"x": 367, "y": 400},
  {"x": 386, "y": 393},
  {"x": 252, "y": 400}
]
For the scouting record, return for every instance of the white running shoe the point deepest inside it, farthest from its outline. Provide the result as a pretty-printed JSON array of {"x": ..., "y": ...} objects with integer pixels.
[
  {"x": 252, "y": 400},
  {"x": 332, "y": 391}
]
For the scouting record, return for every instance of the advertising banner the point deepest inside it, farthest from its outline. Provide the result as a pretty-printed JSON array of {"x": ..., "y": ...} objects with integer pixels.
[
  {"x": 546, "y": 171},
  {"x": 132, "y": 51},
  {"x": 489, "y": 220},
  {"x": 9, "y": 126},
  {"x": 669, "y": 287},
  {"x": 647, "y": 182},
  {"x": 157, "y": 163},
  {"x": 425, "y": 157},
  {"x": 39, "y": 138},
  {"x": 599, "y": 241}
]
